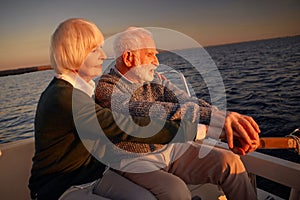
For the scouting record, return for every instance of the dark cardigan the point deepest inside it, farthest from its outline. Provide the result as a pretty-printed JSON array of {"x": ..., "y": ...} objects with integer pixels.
[{"x": 61, "y": 159}]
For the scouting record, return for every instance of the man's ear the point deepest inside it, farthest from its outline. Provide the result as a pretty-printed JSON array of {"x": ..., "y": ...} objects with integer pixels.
[{"x": 128, "y": 58}]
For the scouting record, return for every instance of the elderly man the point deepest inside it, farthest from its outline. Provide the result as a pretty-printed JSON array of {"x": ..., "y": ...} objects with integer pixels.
[{"x": 132, "y": 87}]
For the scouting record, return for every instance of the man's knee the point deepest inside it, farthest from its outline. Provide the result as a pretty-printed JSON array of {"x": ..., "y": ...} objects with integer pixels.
[
  {"x": 162, "y": 184},
  {"x": 175, "y": 189},
  {"x": 231, "y": 162},
  {"x": 114, "y": 186}
]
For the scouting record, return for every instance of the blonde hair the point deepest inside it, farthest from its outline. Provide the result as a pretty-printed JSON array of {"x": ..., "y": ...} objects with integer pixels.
[{"x": 71, "y": 42}]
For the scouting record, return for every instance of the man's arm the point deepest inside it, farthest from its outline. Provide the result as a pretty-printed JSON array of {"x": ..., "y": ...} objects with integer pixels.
[
  {"x": 236, "y": 126},
  {"x": 240, "y": 131},
  {"x": 112, "y": 92},
  {"x": 95, "y": 122}
]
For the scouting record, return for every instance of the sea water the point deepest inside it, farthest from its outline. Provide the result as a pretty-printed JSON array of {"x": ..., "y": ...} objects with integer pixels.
[{"x": 261, "y": 79}]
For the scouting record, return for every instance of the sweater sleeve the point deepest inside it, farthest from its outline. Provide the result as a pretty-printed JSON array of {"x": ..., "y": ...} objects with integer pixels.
[
  {"x": 94, "y": 122},
  {"x": 160, "y": 99},
  {"x": 123, "y": 102}
]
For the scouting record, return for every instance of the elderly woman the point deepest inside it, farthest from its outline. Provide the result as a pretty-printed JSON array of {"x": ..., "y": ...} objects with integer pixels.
[{"x": 63, "y": 166}]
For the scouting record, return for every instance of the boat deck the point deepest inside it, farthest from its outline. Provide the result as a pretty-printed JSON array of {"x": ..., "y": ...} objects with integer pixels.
[{"x": 15, "y": 165}]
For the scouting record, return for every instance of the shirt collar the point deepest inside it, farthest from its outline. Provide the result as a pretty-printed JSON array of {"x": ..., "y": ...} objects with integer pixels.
[{"x": 77, "y": 82}]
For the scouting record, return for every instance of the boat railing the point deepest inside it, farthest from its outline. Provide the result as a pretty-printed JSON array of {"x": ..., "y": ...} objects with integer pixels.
[
  {"x": 15, "y": 164},
  {"x": 272, "y": 168},
  {"x": 258, "y": 164},
  {"x": 182, "y": 78}
]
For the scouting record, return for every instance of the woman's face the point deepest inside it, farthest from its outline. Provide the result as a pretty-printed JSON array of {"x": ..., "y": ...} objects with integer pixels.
[{"x": 92, "y": 65}]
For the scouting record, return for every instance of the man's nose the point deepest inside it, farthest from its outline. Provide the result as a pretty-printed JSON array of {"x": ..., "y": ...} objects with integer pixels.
[{"x": 155, "y": 61}]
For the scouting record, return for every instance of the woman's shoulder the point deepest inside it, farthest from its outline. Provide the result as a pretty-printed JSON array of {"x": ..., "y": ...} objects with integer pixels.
[
  {"x": 57, "y": 92},
  {"x": 58, "y": 87}
]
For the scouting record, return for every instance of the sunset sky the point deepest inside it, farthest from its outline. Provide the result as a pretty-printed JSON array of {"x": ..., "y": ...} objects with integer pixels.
[{"x": 26, "y": 26}]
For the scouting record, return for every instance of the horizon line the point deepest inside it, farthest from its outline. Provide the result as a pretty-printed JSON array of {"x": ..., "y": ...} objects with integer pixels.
[{"x": 40, "y": 67}]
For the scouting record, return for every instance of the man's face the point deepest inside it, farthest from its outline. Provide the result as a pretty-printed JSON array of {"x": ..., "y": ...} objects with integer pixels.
[{"x": 145, "y": 63}]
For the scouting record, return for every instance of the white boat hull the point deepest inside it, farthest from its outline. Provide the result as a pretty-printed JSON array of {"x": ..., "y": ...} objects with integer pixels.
[{"x": 16, "y": 161}]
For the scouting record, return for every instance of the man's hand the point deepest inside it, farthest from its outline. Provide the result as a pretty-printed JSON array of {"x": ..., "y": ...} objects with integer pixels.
[{"x": 241, "y": 131}]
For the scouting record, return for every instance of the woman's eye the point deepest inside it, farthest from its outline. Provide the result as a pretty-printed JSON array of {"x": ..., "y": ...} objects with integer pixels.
[{"x": 96, "y": 49}]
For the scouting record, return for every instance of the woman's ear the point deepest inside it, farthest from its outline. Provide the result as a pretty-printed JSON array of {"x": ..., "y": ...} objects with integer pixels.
[{"x": 128, "y": 58}]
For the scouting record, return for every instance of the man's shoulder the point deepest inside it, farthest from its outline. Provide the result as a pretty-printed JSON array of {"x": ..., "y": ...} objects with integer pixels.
[{"x": 109, "y": 77}]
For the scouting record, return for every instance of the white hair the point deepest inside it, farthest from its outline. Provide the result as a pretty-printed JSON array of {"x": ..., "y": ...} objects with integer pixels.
[{"x": 131, "y": 39}]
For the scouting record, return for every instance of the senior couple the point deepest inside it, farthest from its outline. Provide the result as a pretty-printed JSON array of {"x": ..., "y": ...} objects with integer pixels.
[{"x": 67, "y": 162}]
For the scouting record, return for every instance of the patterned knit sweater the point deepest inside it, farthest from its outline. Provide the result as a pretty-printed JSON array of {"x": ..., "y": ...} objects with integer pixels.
[{"x": 158, "y": 99}]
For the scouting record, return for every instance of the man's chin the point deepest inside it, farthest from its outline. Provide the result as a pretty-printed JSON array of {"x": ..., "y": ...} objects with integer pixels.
[{"x": 150, "y": 78}]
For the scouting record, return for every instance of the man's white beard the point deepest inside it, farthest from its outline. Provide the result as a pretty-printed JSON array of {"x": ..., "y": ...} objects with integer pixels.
[{"x": 142, "y": 73}]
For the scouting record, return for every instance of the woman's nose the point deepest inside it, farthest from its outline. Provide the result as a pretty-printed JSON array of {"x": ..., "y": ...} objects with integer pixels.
[{"x": 103, "y": 55}]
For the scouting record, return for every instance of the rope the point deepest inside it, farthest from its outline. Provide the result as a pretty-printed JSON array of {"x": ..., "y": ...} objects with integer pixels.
[{"x": 296, "y": 138}]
